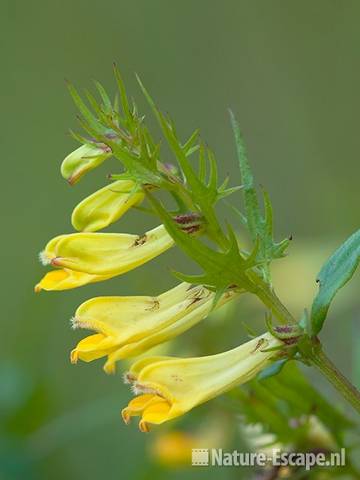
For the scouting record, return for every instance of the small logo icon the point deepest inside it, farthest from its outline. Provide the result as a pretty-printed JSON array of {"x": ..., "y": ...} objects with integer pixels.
[{"x": 200, "y": 457}]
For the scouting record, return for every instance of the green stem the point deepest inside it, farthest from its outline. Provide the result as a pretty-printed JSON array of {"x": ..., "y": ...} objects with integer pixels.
[
  {"x": 317, "y": 357},
  {"x": 269, "y": 298},
  {"x": 320, "y": 360}
]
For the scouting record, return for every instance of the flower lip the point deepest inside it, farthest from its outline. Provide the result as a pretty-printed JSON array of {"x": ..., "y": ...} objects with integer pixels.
[
  {"x": 152, "y": 409},
  {"x": 75, "y": 177},
  {"x": 139, "y": 388},
  {"x": 128, "y": 378},
  {"x": 147, "y": 387},
  {"x": 56, "y": 262}
]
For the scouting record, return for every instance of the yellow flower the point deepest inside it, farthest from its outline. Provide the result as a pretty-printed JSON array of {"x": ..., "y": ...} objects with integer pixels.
[
  {"x": 170, "y": 387},
  {"x": 106, "y": 206},
  {"x": 129, "y": 326},
  {"x": 174, "y": 448},
  {"x": 63, "y": 279},
  {"x": 83, "y": 159},
  {"x": 105, "y": 254}
]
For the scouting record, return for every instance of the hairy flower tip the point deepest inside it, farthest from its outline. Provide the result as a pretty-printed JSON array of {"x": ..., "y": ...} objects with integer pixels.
[
  {"x": 74, "y": 322},
  {"x": 138, "y": 389},
  {"x": 44, "y": 259},
  {"x": 128, "y": 377}
]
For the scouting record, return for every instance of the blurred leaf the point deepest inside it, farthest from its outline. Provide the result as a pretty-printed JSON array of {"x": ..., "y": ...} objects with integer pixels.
[
  {"x": 292, "y": 387},
  {"x": 277, "y": 401},
  {"x": 15, "y": 462},
  {"x": 336, "y": 272},
  {"x": 16, "y": 389},
  {"x": 272, "y": 369}
]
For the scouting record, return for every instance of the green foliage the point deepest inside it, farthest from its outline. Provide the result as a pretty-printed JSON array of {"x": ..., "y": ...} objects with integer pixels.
[
  {"x": 204, "y": 192},
  {"x": 221, "y": 269},
  {"x": 260, "y": 225},
  {"x": 335, "y": 273}
]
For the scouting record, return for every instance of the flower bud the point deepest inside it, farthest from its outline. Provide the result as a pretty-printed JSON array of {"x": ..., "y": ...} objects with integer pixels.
[
  {"x": 83, "y": 159},
  {"x": 190, "y": 222},
  {"x": 106, "y": 206}
]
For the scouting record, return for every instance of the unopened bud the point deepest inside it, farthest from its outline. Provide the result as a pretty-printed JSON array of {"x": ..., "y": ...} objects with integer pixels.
[
  {"x": 190, "y": 222},
  {"x": 83, "y": 159},
  {"x": 169, "y": 169},
  {"x": 289, "y": 334}
]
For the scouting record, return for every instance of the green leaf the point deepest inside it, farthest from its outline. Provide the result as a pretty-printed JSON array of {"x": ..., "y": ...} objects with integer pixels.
[
  {"x": 105, "y": 98},
  {"x": 260, "y": 226},
  {"x": 221, "y": 269},
  {"x": 122, "y": 93},
  {"x": 272, "y": 369},
  {"x": 291, "y": 386},
  {"x": 250, "y": 196},
  {"x": 275, "y": 401},
  {"x": 336, "y": 272},
  {"x": 203, "y": 192},
  {"x": 93, "y": 123}
]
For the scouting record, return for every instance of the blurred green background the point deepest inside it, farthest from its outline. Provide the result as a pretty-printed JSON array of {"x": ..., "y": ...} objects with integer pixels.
[{"x": 291, "y": 72}]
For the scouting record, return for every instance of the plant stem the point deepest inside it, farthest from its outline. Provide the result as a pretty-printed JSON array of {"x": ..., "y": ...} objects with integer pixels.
[
  {"x": 320, "y": 360},
  {"x": 269, "y": 298},
  {"x": 315, "y": 354}
]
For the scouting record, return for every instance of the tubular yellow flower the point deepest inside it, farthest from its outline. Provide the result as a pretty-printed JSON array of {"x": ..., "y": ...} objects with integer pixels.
[
  {"x": 83, "y": 159},
  {"x": 170, "y": 387},
  {"x": 129, "y": 326},
  {"x": 105, "y": 254},
  {"x": 106, "y": 206}
]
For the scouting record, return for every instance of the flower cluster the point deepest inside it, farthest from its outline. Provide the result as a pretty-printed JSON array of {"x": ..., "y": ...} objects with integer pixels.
[{"x": 126, "y": 327}]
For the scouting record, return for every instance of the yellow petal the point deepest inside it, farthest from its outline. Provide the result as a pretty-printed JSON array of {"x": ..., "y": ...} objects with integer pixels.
[
  {"x": 155, "y": 412},
  {"x": 105, "y": 206},
  {"x": 91, "y": 348},
  {"x": 83, "y": 159},
  {"x": 137, "y": 405},
  {"x": 109, "y": 253},
  {"x": 64, "y": 279}
]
